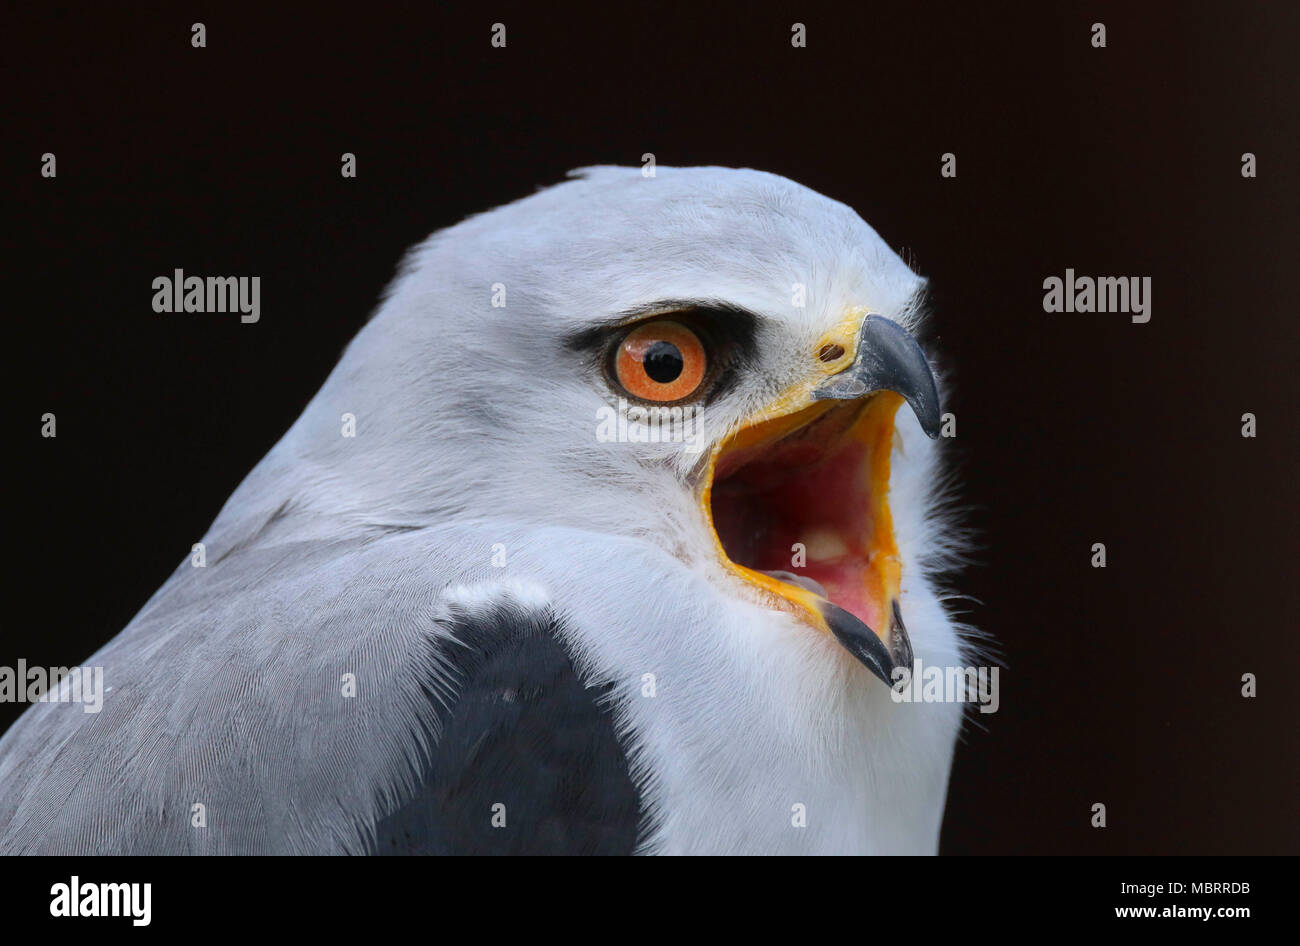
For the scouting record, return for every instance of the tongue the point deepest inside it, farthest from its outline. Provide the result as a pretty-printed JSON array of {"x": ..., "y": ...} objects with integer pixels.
[{"x": 803, "y": 582}]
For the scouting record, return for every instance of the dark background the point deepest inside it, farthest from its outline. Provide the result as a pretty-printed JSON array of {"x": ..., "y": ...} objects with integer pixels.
[{"x": 1121, "y": 685}]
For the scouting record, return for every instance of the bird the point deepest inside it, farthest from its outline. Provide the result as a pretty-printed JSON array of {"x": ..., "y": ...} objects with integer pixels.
[{"x": 608, "y": 534}]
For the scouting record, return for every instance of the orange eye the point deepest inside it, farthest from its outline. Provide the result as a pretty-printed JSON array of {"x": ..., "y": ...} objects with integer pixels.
[{"x": 660, "y": 361}]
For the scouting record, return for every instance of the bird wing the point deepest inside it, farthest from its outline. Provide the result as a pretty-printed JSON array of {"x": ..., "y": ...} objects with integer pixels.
[
  {"x": 527, "y": 761},
  {"x": 321, "y": 697}
]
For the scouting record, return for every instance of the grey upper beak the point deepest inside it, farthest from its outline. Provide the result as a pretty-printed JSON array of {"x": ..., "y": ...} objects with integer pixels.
[{"x": 888, "y": 359}]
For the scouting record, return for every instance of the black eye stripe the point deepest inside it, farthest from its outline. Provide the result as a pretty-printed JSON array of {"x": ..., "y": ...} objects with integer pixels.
[{"x": 723, "y": 322}]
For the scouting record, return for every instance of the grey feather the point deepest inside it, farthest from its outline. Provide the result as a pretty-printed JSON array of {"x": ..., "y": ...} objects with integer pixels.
[{"x": 228, "y": 692}]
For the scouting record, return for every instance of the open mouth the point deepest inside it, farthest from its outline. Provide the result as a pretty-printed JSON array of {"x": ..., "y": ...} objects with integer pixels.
[{"x": 799, "y": 505}]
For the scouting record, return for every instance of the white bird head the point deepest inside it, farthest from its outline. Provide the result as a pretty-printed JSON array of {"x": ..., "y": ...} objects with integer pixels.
[{"x": 518, "y": 363}]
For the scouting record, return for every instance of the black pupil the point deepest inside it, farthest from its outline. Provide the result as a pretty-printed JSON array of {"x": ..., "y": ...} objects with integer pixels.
[{"x": 663, "y": 362}]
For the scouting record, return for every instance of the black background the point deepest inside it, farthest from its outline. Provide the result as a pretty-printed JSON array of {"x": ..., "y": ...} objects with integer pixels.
[{"x": 1121, "y": 685}]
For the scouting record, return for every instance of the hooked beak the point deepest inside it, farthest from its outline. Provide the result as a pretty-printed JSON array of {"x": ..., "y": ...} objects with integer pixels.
[
  {"x": 888, "y": 359},
  {"x": 810, "y": 474}
]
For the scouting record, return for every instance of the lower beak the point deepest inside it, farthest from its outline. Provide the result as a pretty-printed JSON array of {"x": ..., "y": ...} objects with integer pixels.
[{"x": 879, "y": 654}]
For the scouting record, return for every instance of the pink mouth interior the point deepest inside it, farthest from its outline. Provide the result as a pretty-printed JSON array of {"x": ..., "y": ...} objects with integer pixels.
[{"x": 811, "y": 487}]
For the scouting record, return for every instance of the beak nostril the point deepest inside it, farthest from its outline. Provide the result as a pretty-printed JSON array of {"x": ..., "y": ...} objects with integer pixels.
[{"x": 831, "y": 352}]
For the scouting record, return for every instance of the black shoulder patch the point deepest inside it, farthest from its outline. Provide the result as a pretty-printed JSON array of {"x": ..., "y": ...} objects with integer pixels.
[{"x": 528, "y": 761}]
